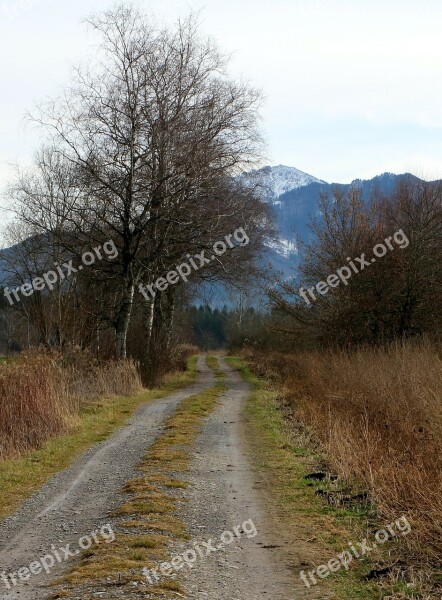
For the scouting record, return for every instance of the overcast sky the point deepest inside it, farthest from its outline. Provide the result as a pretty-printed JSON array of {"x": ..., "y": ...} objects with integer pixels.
[{"x": 353, "y": 87}]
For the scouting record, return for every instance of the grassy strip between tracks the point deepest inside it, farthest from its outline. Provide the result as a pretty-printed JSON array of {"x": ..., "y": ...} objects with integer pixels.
[
  {"x": 21, "y": 477},
  {"x": 146, "y": 525}
]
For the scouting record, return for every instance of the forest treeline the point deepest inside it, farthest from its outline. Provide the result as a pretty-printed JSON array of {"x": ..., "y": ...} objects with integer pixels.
[{"x": 388, "y": 253}]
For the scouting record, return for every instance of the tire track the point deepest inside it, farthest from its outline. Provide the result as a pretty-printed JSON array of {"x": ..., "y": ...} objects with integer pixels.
[
  {"x": 78, "y": 500},
  {"x": 224, "y": 495}
]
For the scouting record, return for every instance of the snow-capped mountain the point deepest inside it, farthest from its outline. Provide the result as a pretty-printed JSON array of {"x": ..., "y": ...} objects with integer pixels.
[
  {"x": 277, "y": 181},
  {"x": 294, "y": 197}
]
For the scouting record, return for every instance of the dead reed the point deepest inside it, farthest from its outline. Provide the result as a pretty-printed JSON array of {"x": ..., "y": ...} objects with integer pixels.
[
  {"x": 42, "y": 393},
  {"x": 378, "y": 416}
]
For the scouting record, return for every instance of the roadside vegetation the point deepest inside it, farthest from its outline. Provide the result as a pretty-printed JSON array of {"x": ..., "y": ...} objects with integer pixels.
[
  {"x": 42, "y": 395},
  {"x": 92, "y": 419},
  {"x": 368, "y": 426}
]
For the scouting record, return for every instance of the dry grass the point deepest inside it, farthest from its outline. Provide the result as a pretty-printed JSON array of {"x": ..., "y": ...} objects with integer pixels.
[
  {"x": 22, "y": 475},
  {"x": 41, "y": 395},
  {"x": 34, "y": 404},
  {"x": 378, "y": 415},
  {"x": 146, "y": 524}
]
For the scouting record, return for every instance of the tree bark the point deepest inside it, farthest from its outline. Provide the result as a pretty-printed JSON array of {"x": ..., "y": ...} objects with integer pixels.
[
  {"x": 169, "y": 316},
  {"x": 123, "y": 320},
  {"x": 148, "y": 309}
]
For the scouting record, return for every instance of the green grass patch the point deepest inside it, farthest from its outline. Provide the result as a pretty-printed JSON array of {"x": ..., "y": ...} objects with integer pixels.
[{"x": 212, "y": 362}]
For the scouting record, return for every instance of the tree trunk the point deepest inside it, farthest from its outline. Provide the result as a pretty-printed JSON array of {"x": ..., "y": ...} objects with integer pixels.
[
  {"x": 148, "y": 309},
  {"x": 123, "y": 320},
  {"x": 148, "y": 319},
  {"x": 169, "y": 316},
  {"x": 158, "y": 355}
]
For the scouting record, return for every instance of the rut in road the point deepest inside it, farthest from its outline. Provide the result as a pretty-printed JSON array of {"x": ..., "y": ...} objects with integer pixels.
[
  {"x": 223, "y": 495},
  {"x": 78, "y": 501}
]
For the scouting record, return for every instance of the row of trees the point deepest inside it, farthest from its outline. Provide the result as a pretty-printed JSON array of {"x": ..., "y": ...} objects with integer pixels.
[
  {"x": 143, "y": 149},
  {"x": 398, "y": 296},
  {"x": 227, "y": 328}
]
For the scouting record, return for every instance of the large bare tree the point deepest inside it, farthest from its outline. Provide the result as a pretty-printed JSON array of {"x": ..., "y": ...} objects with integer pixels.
[{"x": 149, "y": 138}]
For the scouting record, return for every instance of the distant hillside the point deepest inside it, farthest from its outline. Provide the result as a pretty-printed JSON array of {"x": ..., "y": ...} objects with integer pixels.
[
  {"x": 294, "y": 197},
  {"x": 295, "y": 208}
]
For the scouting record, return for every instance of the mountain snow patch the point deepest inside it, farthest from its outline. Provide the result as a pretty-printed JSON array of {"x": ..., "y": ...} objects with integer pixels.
[
  {"x": 283, "y": 247},
  {"x": 276, "y": 181}
]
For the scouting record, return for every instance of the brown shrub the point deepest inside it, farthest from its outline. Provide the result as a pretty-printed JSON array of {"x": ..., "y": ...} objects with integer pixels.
[
  {"x": 180, "y": 355},
  {"x": 378, "y": 416},
  {"x": 89, "y": 378},
  {"x": 41, "y": 394},
  {"x": 33, "y": 403}
]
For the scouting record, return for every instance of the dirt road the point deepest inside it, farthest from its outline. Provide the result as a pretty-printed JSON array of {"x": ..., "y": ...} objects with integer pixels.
[
  {"x": 224, "y": 498},
  {"x": 78, "y": 501},
  {"x": 224, "y": 495}
]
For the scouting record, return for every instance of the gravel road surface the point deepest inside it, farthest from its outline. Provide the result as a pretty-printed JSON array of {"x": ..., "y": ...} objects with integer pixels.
[
  {"x": 251, "y": 557},
  {"x": 78, "y": 501},
  {"x": 224, "y": 495}
]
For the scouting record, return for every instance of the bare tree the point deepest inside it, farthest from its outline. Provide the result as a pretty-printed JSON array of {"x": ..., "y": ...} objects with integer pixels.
[
  {"x": 148, "y": 131},
  {"x": 145, "y": 148},
  {"x": 394, "y": 297}
]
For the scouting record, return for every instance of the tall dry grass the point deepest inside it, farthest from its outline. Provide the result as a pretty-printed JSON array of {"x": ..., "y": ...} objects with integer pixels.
[
  {"x": 378, "y": 416},
  {"x": 41, "y": 395}
]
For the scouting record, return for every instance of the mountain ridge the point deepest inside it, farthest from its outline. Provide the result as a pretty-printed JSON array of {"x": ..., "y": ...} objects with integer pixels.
[
  {"x": 294, "y": 196},
  {"x": 295, "y": 209}
]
